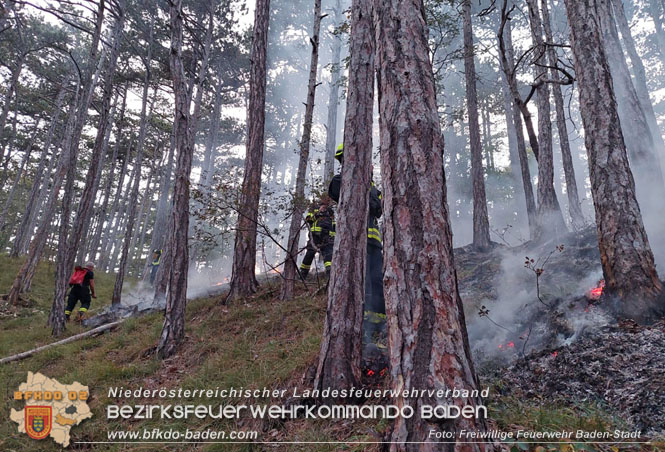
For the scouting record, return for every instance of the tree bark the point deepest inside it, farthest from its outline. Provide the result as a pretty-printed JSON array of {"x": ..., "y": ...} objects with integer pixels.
[
  {"x": 506, "y": 58},
  {"x": 299, "y": 201},
  {"x": 429, "y": 348},
  {"x": 550, "y": 222},
  {"x": 641, "y": 86},
  {"x": 243, "y": 279},
  {"x": 173, "y": 330},
  {"x": 574, "y": 209},
  {"x": 42, "y": 177},
  {"x": 110, "y": 229},
  {"x": 17, "y": 178},
  {"x": 333, "y": 99},
  {"x": 66, "y": 264},
  {"x": 654, "y": 10},
  {"x": 24, "y": 276},
  {"x": 626, "y": 257},
  {"x": 481, "y": 225},
  {"x": 633, "y": 120},
  {"x": 131, "y": 217},
  {"x": 11, "y": 89},
  {"x": 96, "y": 240},
  {"x": 341, "y": 345},
  {"x": 161, "y": 215}
]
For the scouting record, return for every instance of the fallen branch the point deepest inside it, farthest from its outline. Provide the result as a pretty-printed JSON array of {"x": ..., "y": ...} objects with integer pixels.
[{"x": 76, "y": 337}]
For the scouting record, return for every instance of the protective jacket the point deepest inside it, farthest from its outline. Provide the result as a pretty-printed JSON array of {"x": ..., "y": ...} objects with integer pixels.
[{"x": 375, "y": 211}]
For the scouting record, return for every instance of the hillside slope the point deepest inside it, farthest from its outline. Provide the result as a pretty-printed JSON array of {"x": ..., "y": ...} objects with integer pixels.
[{"x": 260, "y": 342}]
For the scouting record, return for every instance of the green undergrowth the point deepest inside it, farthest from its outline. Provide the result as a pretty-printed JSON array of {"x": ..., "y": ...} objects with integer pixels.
[{"x": 253, "y": 343}]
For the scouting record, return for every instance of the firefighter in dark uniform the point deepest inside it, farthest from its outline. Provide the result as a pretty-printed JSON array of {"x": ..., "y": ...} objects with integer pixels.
[
  {"x": 321, "y": 223},
  {"x": 154, "y": 265},
  {"x": 374, "y": 318}
]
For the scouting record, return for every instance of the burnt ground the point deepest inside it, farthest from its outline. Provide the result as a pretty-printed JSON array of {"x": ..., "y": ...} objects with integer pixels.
[
  {"x": 549, "y": 343},
  {"x": 620, "y": 366}
]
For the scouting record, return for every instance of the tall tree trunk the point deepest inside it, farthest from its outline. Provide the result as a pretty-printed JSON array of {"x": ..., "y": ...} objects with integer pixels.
[
  {"x": 11, "y": 89},
  {"x": 243, "y": 279},
  {"x": 86, "y": 235},
  {"x": 129, "y": 231},
  {"x": 103, "y": 210},
  {"x": 654, "y": 11},
  {"x": 110, "y": 229},
  {"x": 550, "y": 220},
  {"x": 341, "y": 345},
  {"x": 626, "y": 257},
  {"x": 515, "y": 169},
  {"x": 17, "y": 178},
  {"x": 640, "y": 77},
  {"x": 65, "y": 265},
  {"x": 506, "y": 57},
  {"x": 574, "y": 209},
  {"x": 429, "y": 347},
  {"x": 140, "y": 213},
  {"x": 207, "y": 171},
  {"x": 634, "y": 124},
  {"x": 131, "y": 216},
  {"x": 333, "y": 98},
  {"x": 481, "y": 225},
  {"x": 159, "y": 229},
  {"x": 42, "y": 176},
  {"x": 173, "y": 331},
  {"x": 299, "y": 201},
  {"x": 24, "y": 276}
]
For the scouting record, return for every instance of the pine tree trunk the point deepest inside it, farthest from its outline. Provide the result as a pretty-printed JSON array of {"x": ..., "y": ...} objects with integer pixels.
[
  {"x": 634, "y": 125},
  {"x": 654, "y": 11},
  {"x": 131, "y": 216},
  {"x": 641, "y": 87},
  {"x": 173, "y": 331},
  {"x": 110, "y": 230},
  {"x": 129, "y": 231},
  {"x": 515, "y": 169},
  {"x": 429, "y": 348},
  {"x": 243, "y": 279},
  {"x": 211, "y": 142},
  {"x": 341, "y": 345},
  {"x": 481, "y": 226},
  {"x": 574, "y": 209},
  {"x": 42, "y": 176},
  {"x": 11, "y": 89},
  {"x": 103, "y": 224},
  {"x": 626, "y": 257},
  {"x": 333, "y": 100},
  {"x": 550, "y": 222},
  {"x": 84, "y": 209},
  {"x": 506, "y": 58},
  {"x": 24, "y": 276},
  {"x": 86, "y": 235},
  {"x": 299, "y": 201},
  {"x": 140, "y": 214},
  {"x": 17, "y": 178},
  {"x": 159, "y": 229}
]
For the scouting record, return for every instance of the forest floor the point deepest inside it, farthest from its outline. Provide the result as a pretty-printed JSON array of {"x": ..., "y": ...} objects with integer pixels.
[{"x": 260, "y": 342}]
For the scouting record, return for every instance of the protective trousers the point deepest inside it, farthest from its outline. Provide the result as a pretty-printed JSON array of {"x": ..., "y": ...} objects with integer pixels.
[
  {"x": 76, "y": 294},
  {"x": 374, "y": 319}
]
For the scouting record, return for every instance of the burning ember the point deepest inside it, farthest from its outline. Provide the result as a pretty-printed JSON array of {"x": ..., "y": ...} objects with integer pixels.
[
  {"x": 510, "y": 344},
  {"x": 595, "y": 293},
  {"x": 371, "y": 373}
]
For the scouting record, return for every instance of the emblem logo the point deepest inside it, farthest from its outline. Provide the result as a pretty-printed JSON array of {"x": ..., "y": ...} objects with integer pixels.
[{"x": 38, "y": 421}]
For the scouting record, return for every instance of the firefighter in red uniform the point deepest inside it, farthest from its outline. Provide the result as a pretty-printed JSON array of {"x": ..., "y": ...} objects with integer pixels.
[
  {"x": 374, "y": 318},
  {"x": 321, "y": 223}
]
